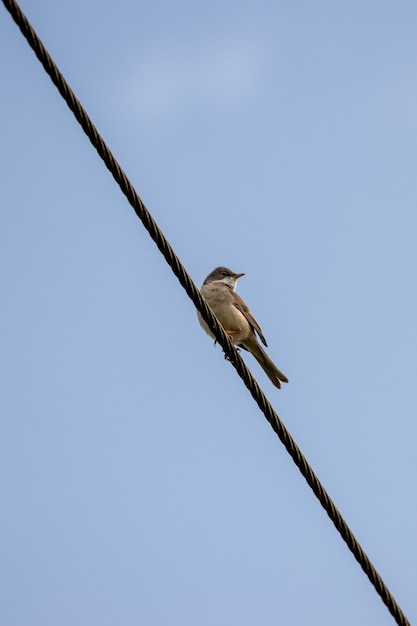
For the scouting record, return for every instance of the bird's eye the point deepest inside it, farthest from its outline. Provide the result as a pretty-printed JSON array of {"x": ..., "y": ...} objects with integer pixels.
[{"x": 224, "y": 274}]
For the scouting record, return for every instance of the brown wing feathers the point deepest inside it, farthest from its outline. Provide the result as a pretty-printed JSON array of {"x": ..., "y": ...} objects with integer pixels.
[{"x": 243, "y": 308}]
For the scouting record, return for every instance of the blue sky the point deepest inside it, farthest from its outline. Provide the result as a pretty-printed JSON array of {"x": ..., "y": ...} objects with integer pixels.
[{"x": 140, "y": 484}]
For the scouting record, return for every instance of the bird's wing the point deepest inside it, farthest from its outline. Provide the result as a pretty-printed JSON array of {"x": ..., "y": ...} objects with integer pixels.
[{"x": 243, "y": 308}]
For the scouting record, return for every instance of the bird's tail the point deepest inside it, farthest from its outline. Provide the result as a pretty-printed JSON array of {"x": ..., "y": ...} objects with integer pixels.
[{"x": 274, "y": 374}]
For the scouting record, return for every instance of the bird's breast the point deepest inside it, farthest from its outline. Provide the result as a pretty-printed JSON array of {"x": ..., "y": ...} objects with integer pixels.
[{"x": 221, "y": 301}]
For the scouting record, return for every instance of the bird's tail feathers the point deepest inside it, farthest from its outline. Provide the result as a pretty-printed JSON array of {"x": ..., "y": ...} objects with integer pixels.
[{"x": 274, "y": 374}]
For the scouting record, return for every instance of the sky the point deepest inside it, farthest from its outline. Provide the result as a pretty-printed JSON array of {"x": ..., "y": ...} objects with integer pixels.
[{"x": 139, "y": 482}]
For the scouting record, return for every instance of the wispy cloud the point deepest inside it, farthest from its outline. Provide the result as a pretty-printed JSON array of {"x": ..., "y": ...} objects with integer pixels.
[{"x": 185, "y": 77}]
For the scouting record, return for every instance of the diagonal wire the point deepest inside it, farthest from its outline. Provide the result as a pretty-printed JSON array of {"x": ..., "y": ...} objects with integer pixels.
[{"x": 192, "y": 291}]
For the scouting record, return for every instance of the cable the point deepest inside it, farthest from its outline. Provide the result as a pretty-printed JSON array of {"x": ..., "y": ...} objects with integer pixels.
[{"x": 200, "y": 304}]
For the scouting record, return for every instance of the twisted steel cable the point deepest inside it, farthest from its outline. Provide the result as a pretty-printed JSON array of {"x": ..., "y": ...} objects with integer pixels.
[{"x": 200, "y": 304}]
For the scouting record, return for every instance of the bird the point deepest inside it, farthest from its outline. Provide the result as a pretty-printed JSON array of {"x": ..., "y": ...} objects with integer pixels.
[{"x": 218, "y": 289}]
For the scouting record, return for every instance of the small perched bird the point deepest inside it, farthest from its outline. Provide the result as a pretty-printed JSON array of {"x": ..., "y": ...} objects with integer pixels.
[{"x": 238, "y": 322}]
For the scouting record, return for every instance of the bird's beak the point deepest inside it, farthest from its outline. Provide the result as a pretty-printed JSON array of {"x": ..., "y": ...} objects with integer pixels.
[{"x": 238, "y": 275}]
